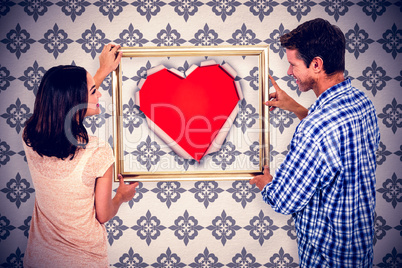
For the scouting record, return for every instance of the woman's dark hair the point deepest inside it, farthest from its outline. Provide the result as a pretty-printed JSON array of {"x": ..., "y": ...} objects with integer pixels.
[
  {"x": 318, "y": 38},
  {"x": 56, "y": 128}
]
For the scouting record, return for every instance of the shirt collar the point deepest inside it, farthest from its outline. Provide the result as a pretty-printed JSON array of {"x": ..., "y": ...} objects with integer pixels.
[{"x": 330, "y": 94}]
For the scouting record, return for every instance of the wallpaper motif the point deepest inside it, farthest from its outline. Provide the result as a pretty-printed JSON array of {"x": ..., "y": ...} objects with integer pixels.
[{"x": 200, "y": 223}]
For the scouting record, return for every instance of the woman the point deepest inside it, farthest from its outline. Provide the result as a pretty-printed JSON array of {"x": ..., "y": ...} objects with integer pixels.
[{"x": 71, "y": 171}]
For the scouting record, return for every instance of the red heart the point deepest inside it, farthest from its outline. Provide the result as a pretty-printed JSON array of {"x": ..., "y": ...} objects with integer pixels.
[{"x": 192, "y": 110}]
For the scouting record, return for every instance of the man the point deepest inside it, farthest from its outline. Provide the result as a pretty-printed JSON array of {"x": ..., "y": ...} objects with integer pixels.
[{"x": 327, "y": 180}]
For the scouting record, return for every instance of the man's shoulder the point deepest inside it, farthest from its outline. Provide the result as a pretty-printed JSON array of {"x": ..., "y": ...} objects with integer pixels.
[
  {"x": 347, "y": 99},
  {"x": 325, "y": 119},
  {"x": 348, "y": 106}
]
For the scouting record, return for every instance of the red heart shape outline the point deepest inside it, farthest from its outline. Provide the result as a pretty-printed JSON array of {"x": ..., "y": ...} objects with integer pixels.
[{"x": 192, "y": 114}]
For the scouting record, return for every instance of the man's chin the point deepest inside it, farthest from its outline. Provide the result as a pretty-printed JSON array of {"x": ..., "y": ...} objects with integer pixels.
[{"x": 303, "y": 89}]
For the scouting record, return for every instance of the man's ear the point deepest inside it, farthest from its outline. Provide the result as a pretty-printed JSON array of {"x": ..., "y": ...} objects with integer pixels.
[{"x": 317, "y": 64}]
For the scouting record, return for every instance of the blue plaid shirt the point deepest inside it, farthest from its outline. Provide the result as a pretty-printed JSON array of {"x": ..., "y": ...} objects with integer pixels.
[{"x": 327, "y": 181}]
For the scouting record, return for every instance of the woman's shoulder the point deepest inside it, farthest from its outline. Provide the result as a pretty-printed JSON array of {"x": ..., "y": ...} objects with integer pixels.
[
  {"x": 101, "y": 156},
  {"x": 95, "y": 142},
  {"x": 98, "y": 146}
]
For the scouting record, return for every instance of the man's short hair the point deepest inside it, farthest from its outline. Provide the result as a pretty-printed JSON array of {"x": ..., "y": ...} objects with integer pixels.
[{"x": 318, "y": 38}]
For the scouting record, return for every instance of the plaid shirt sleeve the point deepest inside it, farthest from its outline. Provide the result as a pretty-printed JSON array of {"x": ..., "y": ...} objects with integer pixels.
[
  {"x": 327, "y": 180},
  {"x": 307, "y": 167}
]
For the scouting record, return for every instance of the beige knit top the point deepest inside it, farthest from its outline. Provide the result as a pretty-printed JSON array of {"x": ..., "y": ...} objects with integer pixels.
[{"x": 64, "y": 230}]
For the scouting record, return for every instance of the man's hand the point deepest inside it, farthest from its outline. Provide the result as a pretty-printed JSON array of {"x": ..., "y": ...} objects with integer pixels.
[
  {"x": 261, "y": 180},
  {"x": 282, "y": 100},
  {"x": 109, "y": 59}
]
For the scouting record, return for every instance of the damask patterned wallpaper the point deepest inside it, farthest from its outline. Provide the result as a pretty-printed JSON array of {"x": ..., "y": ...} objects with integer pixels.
[{"x": 204, "y": 223}]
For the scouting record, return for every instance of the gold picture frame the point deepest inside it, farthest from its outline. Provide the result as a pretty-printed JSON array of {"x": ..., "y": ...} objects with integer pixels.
[{"x": 132, "y": 56}]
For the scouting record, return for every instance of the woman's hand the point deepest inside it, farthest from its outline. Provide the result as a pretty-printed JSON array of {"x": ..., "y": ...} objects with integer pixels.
[
  {"x": 106, "y": 207},
  {"x": 126, "y": 191},
  {"x": 109, "y": 59}
]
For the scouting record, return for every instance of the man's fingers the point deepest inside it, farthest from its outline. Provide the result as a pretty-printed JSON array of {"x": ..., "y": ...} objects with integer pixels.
[
  {"x": 266, "y": 170},
  {"x": 272, "y": 95},
  {"x": 274, "y": 84},
  {"x": 271, "y": 102},
  {"x": 134, "y": 184}
]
